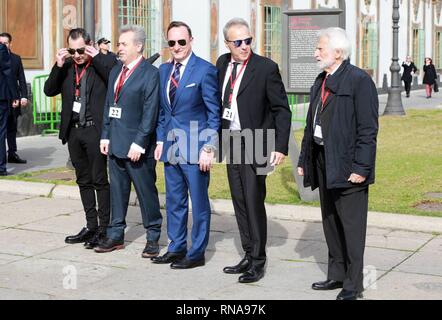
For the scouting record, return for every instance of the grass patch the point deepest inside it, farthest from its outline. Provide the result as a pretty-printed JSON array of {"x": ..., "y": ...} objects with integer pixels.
[{"x": 409, "y": 165}]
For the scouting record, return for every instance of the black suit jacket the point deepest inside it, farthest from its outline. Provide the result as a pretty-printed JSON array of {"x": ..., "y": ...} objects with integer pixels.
[
  {"x": 262, "y": 100},
  {"x": 18, "y": 73},
  {"x": 8, "y": 88},
  {"x": 61, "y": 80}
]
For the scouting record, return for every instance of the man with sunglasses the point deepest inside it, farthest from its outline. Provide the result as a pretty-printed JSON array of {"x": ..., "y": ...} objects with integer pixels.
[
  {"x": 187, "y": 138},
  {"x": 80, "y": 75},
  {"x": 255, "y": 113}
]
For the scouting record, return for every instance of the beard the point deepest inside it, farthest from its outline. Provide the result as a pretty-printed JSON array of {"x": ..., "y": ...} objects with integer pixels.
[{"x": 325, "y": 64}]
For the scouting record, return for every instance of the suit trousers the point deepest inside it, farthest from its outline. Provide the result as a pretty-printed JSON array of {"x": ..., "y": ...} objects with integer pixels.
[
  {"x": 14, "y": 113},
  {"x": 344, "y": 218},
  {"x": 248, "y": 190},
  {"x": 142, "y": 174},
  {"x": 91, "y": 171},
  {"x": 4, "y": 111},
  {"x": 407, "y": 85},
  {"x": 182, "y": 180}
]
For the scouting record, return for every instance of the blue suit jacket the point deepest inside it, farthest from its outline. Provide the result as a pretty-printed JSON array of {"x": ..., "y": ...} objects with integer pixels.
[
  {"x": 194, "y": 119},
  {"x": 139, "y": 100}
]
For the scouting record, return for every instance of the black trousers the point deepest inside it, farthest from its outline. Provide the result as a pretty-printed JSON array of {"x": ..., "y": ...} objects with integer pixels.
[
  {"x": 11, "y": 135},
  {"x": 248, "y": 192},
  {"x": 4, "y": 109},
  {"x": 91, "y": 171},
  {"x": 407, "y": 85},
  {"x": 344, "y": 216}
]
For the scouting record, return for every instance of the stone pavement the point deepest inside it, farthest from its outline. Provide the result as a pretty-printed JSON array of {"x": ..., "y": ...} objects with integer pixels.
[
  {"x": 35, "y": 263},
  {"x": 403, "y": 256}
]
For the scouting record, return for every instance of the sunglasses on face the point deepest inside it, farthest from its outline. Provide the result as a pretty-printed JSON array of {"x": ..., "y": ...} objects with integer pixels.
[
  {"x": 238, "y": 43},
  {"x": 172, "y": 43},
  {"x": 79, "y": 50}
]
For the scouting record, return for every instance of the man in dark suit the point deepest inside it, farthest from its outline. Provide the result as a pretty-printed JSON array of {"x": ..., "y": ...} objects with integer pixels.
[
  {"x": 190, "y": 108},
  {"x": 338, "y": 155},
  {"x": 255, "y": 115},
  {"x": 18, "y": 74},
  {"x": 8, "y": 96},
  {"x": 130, "y": 117},
  {"x": 81, "y": 76}
]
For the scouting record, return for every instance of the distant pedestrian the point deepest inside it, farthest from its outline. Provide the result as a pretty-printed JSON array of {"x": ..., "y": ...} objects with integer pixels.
[
  {"x": 430, "y": 76},
  {"x": 407, "y": 77}
]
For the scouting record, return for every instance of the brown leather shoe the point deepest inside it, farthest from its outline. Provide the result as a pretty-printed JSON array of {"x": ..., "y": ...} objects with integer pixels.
[{"x": 109, "y": 245}]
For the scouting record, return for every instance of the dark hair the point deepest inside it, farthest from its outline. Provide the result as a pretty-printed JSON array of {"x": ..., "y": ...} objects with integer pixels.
[
  {"x": 178, "y": 24},
  {"x": 74, "y": 34},
  {"x": 6, "y": 35}
]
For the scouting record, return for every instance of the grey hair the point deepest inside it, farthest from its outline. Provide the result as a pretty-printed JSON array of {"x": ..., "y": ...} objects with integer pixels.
[
  {"x": 234, "y": 22},
  {"x": 337, "y": 40},
  {"x": 139, "y": 34}
]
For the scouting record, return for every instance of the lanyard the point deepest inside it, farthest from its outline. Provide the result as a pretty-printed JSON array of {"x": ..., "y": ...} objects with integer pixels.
[
  {"x": 233, "y": 82},
  {"x": 122, "y": 80},
  {"x": 324, "y": 94},
  {"x": 78, "y": 78}
]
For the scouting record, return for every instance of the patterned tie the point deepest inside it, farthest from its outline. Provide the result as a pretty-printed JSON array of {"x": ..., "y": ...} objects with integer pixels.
[{"x": 174, "y": 83}]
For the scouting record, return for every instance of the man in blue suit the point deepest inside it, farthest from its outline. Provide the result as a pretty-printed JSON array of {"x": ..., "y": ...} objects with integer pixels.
[
  {"x": 130, "y": 119},
  {"x": 187, "y": 140},
  {"x": 8, "y": 95}
]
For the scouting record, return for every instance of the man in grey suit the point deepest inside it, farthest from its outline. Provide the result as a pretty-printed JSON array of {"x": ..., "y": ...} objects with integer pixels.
[{"x": 129, "y": 139}]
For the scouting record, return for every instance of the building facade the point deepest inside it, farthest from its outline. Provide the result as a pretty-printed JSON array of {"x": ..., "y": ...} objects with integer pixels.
[{"x": 40, "y": 27}]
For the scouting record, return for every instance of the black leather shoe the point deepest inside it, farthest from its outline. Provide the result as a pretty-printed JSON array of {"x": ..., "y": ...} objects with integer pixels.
[
  {"x": 254, "y": 274},
  {"x": 109, "y": 245},
  {"x": 188, "y": 264},
  {"x": 241, "y": 267},
  {"x": 168, "y": 258},
  {"x": 84, "y": 236},
  {"x": 327, "y": 285},
  {"x": 349, "y": 295},
  {"x": 151, "y": 250},
  {"x": 14, "y": 158},
  {"x": 95, "y": 241}
]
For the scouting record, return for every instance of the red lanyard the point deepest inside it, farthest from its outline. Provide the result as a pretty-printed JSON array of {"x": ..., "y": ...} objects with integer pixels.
[
  {"x": 79, "y": 77},
  {"x": 233, "y": 82},
  {"x": 324, "y": 93},
  {"x": 123, "y": 78}
]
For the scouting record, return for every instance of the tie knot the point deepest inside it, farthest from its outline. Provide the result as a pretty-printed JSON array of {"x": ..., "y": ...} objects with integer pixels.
[
  {"x": 178, "y": 65},
  {"x": 125, "y": 69}
]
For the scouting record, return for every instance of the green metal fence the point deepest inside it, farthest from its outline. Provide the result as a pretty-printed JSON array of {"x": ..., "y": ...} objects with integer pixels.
[
  {"x": 46, "y": 109},
  {"x": 299, "y": 106}
]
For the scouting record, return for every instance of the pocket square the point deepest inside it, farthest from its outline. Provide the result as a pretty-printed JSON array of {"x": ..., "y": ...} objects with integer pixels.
[{"x": 191, "y": 85}]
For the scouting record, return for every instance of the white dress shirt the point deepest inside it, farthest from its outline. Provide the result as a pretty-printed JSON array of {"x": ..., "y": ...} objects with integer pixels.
[{"x": 235, "y": 125}]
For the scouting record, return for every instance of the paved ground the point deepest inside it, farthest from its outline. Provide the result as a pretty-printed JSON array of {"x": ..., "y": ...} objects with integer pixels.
[{"x": 403, "y": 256}]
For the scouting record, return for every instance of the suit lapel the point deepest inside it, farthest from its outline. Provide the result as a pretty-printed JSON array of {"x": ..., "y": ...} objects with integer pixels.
[
  {"x": 165, "y": 93},
  {"x": 139, "y": 70},
  {"x": 185, "y": 79},
  {"x": 223, "y": 71},
  {"x": 249, "y": 74}
]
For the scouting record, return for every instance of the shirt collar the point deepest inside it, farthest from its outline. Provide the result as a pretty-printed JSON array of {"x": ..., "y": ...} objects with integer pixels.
[
  {"x": 185, "y": 62},
  {"x": 134, "y": 63},
  {"x": 336, "y": 69}
]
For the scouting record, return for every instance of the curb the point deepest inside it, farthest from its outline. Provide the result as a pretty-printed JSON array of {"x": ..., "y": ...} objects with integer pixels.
[{"x": 225, "y": 208}]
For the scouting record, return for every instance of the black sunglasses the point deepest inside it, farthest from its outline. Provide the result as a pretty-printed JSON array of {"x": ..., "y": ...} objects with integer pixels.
[
  {"x": 238, "y": 43},
  {"x": 80, "y": 51},
  {"x": 172, "y": 43}
]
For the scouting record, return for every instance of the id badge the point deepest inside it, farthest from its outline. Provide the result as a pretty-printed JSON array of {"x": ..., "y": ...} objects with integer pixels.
[
  {"x": 77, "y": 107},
  {"x": 229, "y": 114},
  {"x": 318, "y": 132},
  {"x": 115, "y": 112}
]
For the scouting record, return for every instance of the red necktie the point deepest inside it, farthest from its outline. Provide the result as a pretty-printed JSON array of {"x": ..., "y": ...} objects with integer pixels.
[{"x": 121, "y": 82}]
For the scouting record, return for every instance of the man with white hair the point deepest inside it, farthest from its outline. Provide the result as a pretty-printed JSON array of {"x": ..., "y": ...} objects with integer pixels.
[{"x": 338, "y": 155}]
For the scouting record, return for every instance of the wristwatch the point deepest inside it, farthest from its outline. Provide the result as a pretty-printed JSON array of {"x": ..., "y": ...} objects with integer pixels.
[{"x": 209, "y": 149}]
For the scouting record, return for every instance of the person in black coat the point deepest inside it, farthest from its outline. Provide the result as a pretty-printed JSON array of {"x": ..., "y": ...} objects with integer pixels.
[
  {"x": 256, "y": 129},
  {"x": 407, "y": 75},
  {"x": 81, "y": 76},
  {"x": 338, "y": 155},
  {"x": 430, "y": 76},
  {"x": 8, "y": 97},
  {"x": 19, "y": 75}
]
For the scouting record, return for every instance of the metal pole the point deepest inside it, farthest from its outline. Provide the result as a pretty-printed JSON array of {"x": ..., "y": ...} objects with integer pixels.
[
  {"x": 394, "y": 103},
  {"x": 89, "y": 17}
]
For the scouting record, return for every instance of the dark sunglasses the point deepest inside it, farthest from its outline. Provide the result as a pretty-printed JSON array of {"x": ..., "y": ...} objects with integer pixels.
[
  {"x": 238, "y": 43},
  {"x": 80, "y": 51},
  {"x": 172, "y": 43}
]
